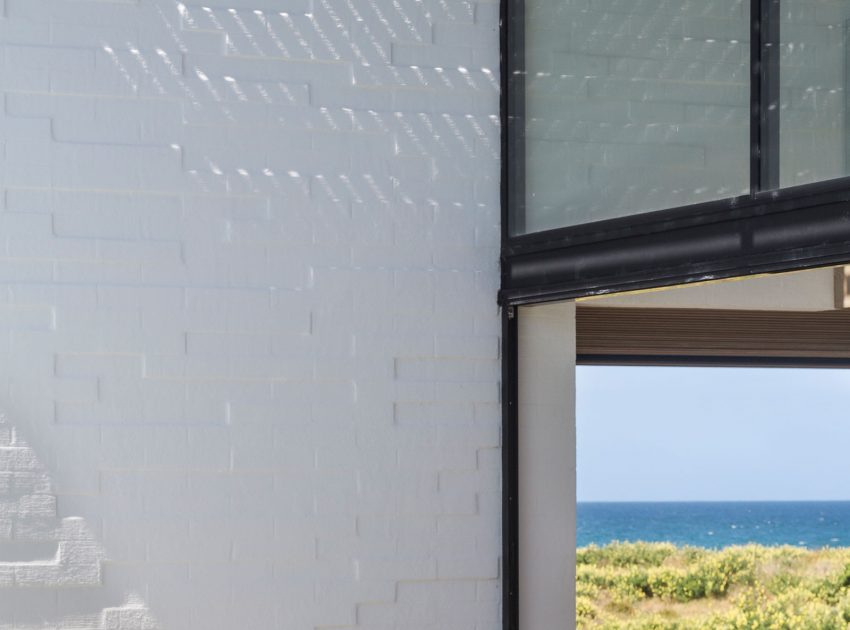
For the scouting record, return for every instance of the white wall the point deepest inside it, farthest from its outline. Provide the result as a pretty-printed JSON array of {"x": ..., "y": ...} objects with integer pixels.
[
  {"x": 249, "y": 345},
  {"x": 547, "y": 466}
]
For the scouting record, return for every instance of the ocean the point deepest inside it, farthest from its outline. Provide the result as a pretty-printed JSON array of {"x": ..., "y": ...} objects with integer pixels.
[{"x": 809, "y": 524}]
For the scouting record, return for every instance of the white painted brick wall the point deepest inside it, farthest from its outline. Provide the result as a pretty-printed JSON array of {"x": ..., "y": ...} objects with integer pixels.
[{"x": 249, "y": 343}]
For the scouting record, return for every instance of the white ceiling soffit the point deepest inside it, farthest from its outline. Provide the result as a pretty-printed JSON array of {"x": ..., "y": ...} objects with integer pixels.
[{"x": 812, "y": 290}]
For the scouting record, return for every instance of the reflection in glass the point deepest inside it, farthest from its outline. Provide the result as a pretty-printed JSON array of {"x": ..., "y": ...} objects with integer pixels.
[
  {"x": 813, "y": 75},
  {"x": 633, "y": 106}
]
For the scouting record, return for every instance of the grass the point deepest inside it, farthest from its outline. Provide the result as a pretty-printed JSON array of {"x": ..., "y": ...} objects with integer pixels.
[{"x": 658, "y": 586}]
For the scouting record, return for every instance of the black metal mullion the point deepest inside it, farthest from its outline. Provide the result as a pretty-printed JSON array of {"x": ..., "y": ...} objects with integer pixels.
[
  {"x": 512, "y": 70},
  {"x": 764, "y": 95},
  {"x": 770, "y": 111},
  {"x": 755, "y": 96},
  {"x": 510, "y": 470}
]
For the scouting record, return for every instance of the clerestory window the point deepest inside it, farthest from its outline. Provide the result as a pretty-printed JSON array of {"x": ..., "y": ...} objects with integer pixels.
[{"x": 709, "y": 138}]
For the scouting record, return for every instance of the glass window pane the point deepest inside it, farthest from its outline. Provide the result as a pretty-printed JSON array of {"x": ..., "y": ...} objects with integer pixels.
[
  {"x": 813, "y": 74},
  {"x": 633, "y": 106}
]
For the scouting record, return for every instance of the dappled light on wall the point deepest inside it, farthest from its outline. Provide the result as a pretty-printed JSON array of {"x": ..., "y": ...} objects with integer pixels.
[{"x": 236, "y": 235}]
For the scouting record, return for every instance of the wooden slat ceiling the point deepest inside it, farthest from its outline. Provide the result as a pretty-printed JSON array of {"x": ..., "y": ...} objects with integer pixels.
[
  {"x": 842, "y": 287},
  {"x": 650, "y": 336}
]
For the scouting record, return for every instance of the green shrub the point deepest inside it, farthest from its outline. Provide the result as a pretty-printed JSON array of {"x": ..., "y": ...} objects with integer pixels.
[
  {"x": 796, "y": 609},
  {"x": 619, "y": 554},
  {"x": 783, "y": 582},
  {"x": 586, "y": 612},
  {"x": 769, "y": 588},
  {"x": 586, "y": 589},
  {"x": 709, "y": 576}
]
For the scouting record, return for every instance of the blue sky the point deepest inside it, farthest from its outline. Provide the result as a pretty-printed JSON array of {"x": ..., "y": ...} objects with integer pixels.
[{"x": 699, "y": 434}]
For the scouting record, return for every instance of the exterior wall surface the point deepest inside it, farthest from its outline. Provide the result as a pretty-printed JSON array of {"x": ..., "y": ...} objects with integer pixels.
[{"x": 249, "y": 344}]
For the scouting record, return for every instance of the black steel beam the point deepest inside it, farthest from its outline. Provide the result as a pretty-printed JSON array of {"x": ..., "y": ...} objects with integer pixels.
[{"x": 798, "y": 228}]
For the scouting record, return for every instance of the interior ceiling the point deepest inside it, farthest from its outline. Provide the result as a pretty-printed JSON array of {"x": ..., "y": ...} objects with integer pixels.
[{"x": 683, "y": 336}]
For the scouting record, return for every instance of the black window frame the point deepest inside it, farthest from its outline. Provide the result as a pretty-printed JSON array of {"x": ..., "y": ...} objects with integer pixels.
[{"x": 767, "y": 231}]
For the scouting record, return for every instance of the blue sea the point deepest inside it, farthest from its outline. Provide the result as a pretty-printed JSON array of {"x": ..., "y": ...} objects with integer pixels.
[{"x": 810, "y": 524}]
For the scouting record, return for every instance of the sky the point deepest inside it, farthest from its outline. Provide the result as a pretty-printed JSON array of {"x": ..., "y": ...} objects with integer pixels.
[{"x": 712, "y": 434}]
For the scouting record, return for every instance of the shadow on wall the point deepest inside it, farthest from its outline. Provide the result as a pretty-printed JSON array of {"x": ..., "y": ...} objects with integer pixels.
[{"x": 41, "y": 553}]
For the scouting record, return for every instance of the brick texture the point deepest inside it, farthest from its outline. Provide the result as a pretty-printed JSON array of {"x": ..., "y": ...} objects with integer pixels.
[{"x": 249, "y": 342}]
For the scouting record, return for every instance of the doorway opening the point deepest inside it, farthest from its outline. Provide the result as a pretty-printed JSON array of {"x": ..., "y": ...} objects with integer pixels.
[{"x": 712, "y": 486}]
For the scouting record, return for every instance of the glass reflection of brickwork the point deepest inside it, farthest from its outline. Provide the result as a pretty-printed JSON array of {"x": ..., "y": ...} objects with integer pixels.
[
  {"x": 813, "y": 70},
  {"x": 634, "y": 106}
]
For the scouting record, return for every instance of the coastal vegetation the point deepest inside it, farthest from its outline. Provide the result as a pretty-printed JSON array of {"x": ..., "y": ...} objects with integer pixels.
[{"x": 659, "y": 586}]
